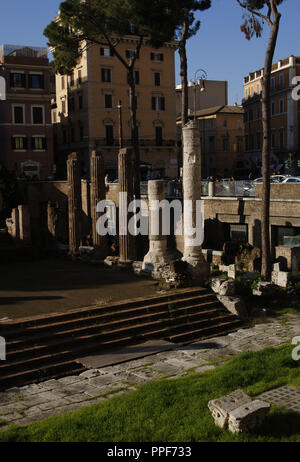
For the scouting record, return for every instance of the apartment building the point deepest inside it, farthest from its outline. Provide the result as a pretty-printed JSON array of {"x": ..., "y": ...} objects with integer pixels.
[
  {"x": 86, "y": 114},
  {"x": 26, "y": 133},
  {"x": 285, "y": 120}
]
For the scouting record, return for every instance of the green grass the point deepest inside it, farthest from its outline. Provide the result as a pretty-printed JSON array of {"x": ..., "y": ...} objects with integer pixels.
[{"x": 176, "y": 410}]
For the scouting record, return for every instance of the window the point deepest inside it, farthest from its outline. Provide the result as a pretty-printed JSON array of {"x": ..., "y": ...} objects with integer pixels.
[
  {"x": 17, "y": 80},
  {"x": 273, "y": 139},
  {"x": 71, "y": 103},
  {"x": 251, "y": 142},
  {"x": 225, "y": 123},
  {"x": 80, "y": 101},
  {"x": 157, "y": 57},
  {"x": 246, "y": 117},
  {"x": 211, "y": 146},
  {"x": 272, "y": 108},
  {"x": 62, "y": 81},
  {"x": 281, "y": 80},
  {"x": 18, "y": 114},
  {"x": 106, "y": 75},
  {"x": 81, "y": 131},
  {"x": 109, "y": 135},
  {"x": 157, "y": 79},
  {"x": 106, "y": 51},
  {"x": 257, "y": 89},
  {"x": 37, "y": 115},
  {"x": 36, "y": 81},
  {"x": 226, "y": 144},
  {"x": 108, "y": 101},
  {"x": 281, "y": 106},
  {"x": 272, "y": 83},
  {"x": 63, "y": 106},
  {"x": 72, "y": 79},
  {"x": 258, "y": 140},
  {"x": 281, "y": 139},
  {"x": 258, "y": 113},
  {"x": 136, "y": 77},
  {"x": 252, "y": 90},
  {"x": 246, "y": 93},
  {"x": 158, "y": 136},
  {"x": 158, "y": 103},
  {"x": 79, "y": 79},
  {"x": 38, "y": 143},
  {"x": 19, "y": 143},
  {"x": 130, "y": 54}
]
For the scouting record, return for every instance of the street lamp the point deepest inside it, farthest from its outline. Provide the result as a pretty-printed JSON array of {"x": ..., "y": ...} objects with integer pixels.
[{"x": 200, "y": 83}]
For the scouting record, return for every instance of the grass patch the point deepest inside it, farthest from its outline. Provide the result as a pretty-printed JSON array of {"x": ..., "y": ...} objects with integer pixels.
[
  {"x": 103, "y": 301},
  {"x": 176, "y": 410}
]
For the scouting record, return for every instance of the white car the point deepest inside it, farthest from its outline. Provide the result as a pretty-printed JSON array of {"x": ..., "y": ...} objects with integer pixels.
[
  {"x": 291, "y": 179},
  {"x": 273, "y": 179}
]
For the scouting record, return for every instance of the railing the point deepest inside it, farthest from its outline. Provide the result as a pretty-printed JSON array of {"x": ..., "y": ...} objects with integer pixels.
[{"x": 243, "y": 188}]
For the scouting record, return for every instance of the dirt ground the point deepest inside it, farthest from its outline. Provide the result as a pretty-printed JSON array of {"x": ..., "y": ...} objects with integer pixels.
[{"x": 50, "y": 286}]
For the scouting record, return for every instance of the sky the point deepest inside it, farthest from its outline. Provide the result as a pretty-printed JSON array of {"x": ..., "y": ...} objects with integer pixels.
[{"x": 219, "y": 47}]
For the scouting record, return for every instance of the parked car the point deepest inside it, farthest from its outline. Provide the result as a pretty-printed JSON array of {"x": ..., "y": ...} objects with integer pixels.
[
  {"x": 273, "y": 179},
  {"x": 291, "y": 179}
]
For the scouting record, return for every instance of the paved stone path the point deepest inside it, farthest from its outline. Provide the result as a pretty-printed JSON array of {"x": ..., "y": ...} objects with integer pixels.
[{"x": 30, "y": 403}]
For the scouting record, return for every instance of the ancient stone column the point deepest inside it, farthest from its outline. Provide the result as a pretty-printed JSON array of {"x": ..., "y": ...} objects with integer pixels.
[
  {"x": 52, "y": 219},
  {"x": 97, "y": 195},
  {"x": 192, "y": 219},
  {"x": 158, "y": 254},
  {"x": 24, "y": 224},
  {"x": 74, "y": 203},
  {"x": 126, "y": 240}
]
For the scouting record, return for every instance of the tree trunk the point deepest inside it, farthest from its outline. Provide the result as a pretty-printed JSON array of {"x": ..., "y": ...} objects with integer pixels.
[
  {"x": 135, "y": 138},
  {"x": 266, "y": 150}
]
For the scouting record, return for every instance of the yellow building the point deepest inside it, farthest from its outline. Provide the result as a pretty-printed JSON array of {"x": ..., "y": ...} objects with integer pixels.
[
  {"x": 284, "y": 114},
  {"x": 86, "y": 112}
]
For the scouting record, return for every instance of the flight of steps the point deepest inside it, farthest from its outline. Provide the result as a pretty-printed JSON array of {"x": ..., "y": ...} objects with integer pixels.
[{"x": 44, "y": 347}]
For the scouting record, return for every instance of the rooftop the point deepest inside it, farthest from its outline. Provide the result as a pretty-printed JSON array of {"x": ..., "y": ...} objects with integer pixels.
[{"x": 23, "y": 50}]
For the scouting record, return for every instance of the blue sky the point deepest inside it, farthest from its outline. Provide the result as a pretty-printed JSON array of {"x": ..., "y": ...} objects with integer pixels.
[{"x": 219, "y": 47}]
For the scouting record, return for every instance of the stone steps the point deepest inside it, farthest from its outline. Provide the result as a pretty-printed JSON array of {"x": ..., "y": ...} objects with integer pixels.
[{"x": 44, "y": 347}]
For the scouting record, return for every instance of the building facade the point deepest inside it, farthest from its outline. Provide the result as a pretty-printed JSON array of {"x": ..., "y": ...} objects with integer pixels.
[
  {"x": 26, "y": 133},
  {"x": 86, "y": 114},
  {"x": 285, "y": 121},
  {"x": 222, "y": 141},
  {"x": 203, "y": 95}
]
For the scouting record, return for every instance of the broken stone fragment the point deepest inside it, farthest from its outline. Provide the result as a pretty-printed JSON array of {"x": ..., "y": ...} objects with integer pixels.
[
  {"x": 235, "y": 305},
  {"x": 247, "y": 416},
  {"x": 221, "y": 407}
]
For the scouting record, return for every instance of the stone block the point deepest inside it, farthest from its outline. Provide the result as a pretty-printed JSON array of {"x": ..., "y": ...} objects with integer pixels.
[
  {"x": 227, "y": 288},
  {"x": 221, "y": 407},
  {"x": 280, "y": 278},
  {"x": 235, "y": 305},
  {"x": 247, "y": 416},
  {"x": 216, "y": 284},
  {"x": 232, "y": 271}
]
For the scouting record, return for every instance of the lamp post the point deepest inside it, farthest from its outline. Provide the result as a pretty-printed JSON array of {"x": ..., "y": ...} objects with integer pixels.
[
  {"x": 200, "y": 83},
  {"x": 120, "y": 125}
]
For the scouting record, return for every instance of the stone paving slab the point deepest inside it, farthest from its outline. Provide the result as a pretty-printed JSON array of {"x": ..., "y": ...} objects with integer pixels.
[
  {"x": 287, "y": 397},
  {"x": 139, "y": 365}
]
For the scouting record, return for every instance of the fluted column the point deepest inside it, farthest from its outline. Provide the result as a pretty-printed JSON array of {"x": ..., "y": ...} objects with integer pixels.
[
  {"x": 158, "y": 254},
  {"x": 74, "y": 203},
  {"x": 126, "y": 240},
  {"x": 97, "y": 195},
  {"x": 192, "y": 202}
]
